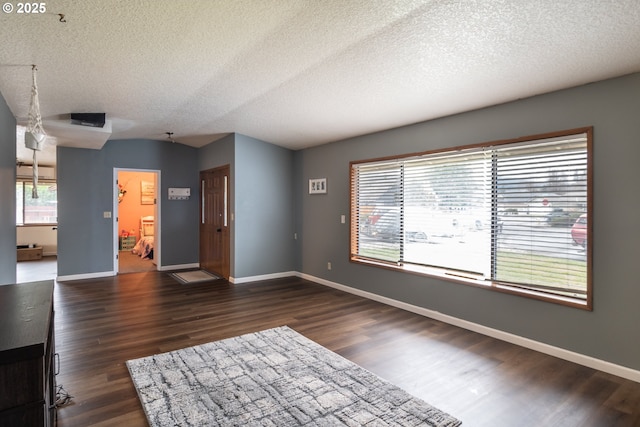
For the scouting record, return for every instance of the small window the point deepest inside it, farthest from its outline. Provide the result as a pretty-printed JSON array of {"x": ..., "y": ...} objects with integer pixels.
[
  {"x": 43, "y": 210},
  {"x": 510, "y": 215}
]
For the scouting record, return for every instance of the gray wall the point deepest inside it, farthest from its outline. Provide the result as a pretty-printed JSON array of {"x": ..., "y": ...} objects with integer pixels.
[
  {"x": 261, "y": 202},
  {"x": 218, "y": 153},
  {"x": 85, "y": 192},
  {"x": 264, "y": 219},
  {"x": 609, "y": 332},
  {"x": 262, "y": 229},
  {"x": 8, "y": 257}
]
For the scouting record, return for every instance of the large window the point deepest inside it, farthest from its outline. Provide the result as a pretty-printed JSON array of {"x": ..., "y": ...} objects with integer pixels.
[
  {"x": 510, "y": 215},
  {"x": 43, "y": 210}
]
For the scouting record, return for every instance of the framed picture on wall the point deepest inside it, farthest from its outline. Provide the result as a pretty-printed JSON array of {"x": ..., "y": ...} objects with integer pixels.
[
  {"x": 318, "y": 186},
  {"x": 147, "y": 192}
]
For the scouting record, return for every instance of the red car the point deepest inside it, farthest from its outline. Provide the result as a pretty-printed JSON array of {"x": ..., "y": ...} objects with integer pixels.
[{"x": 579, "y": 231}]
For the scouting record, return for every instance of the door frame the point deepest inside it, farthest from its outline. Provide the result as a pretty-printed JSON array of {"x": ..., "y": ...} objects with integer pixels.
[{"x": 157, "y": 257}]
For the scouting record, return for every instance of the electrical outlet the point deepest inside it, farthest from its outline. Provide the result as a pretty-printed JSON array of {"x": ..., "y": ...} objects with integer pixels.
[{"x": 329, "y": 266}]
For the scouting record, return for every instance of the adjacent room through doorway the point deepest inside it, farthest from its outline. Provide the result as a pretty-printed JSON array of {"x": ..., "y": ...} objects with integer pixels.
[{"x": 137, "y": 221}]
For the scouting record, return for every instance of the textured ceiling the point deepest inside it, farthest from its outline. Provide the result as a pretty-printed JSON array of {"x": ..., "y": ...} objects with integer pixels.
[{"x": 298, "y": 73}]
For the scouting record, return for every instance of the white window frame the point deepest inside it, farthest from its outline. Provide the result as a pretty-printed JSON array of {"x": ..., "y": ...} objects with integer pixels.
[{"x": 41, "y": 182}]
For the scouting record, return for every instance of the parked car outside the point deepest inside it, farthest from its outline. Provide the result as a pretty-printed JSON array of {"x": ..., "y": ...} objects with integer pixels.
[
  {"x": 383, "y": 223},
  {"x": 558, "y": 217},
  {"x": 579, "y": 231}
]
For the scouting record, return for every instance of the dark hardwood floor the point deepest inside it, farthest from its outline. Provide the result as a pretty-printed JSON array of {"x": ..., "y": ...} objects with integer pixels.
[{"x": 100, "y": 324}]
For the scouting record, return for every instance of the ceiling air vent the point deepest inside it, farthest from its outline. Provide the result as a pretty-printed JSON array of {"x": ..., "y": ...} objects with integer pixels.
[{"x": 94, "y": 120}]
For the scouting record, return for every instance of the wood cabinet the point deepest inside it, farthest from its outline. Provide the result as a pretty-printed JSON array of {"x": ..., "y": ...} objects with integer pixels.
[
  {"x": 30, "y": 254},
  {"x": 27, "y": 355}
]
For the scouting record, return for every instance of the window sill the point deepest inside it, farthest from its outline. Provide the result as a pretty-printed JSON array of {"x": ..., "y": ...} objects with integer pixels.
[{"x": 471, "y": 279}]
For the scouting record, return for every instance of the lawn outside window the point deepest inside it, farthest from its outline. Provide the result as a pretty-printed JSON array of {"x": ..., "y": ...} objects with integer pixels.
[{"x": 507, "y": 215}]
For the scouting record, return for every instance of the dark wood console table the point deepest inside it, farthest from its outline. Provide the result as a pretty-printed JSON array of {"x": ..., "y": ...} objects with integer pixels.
[{"x": 27, "y": 353}]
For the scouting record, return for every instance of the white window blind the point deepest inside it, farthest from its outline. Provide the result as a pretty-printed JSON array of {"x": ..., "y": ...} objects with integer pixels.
[
  {"x": 447, "y": 197},
  {"x": 502, "y": 213},
  {"x": 378, "y": 211},
  {"x": 541, "y": 192}
]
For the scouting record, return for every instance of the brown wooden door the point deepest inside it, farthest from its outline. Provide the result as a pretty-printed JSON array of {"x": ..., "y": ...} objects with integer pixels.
[{"x": 214, "y": 221}]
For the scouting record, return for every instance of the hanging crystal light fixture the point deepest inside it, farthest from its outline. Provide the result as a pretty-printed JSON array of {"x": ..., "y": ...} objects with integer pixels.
[{"x": 34, "y": 136}]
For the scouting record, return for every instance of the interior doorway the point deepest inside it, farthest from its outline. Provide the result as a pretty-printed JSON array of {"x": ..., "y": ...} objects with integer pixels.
[
  {"x": 214, "y": 221},
  {"x": 36, "y": 225},
  {"x": 137, "y": 221}
]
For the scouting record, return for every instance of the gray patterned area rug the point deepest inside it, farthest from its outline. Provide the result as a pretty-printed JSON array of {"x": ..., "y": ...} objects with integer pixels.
[{"x": 274, "y": 378}]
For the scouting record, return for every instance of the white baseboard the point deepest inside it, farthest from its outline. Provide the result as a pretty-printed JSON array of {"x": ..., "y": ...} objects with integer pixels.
[
  {"x": 85, "y": 276},
  {"x": 581, "y": 359},
  {"x": 237, "y": 280},
  {"x": 113, "y": 273},
  {"x": 179, "y": 267}
]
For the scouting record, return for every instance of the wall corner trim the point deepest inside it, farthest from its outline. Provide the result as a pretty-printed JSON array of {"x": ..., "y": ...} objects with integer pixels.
[{"x": 581, "y": 359}]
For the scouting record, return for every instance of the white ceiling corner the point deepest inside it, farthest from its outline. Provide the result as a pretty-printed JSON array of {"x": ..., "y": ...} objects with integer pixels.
[{"x": 296, "y": 73}]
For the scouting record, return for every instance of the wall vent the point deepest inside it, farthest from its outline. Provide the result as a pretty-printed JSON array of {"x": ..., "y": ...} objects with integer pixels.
[{"x": 95, "y": 120}]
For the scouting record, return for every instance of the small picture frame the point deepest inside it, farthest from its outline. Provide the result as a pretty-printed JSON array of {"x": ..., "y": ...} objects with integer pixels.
[
  {"x": 147, "y": 193},
  {"x": 318, "y": 186}
]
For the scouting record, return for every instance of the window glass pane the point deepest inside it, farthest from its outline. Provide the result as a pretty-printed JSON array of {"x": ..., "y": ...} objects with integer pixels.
[
  {"x": 378, "y": 201},
  {"x": 513, "y": 214},
  {"x": 447, "y": 212},
  {"x": 19, "y": 200},
  {"x": 541, "y": 193},
  {"x": 44, "y": 209}
]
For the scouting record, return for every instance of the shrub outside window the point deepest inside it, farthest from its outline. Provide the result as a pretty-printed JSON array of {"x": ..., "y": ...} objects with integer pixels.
[{"x": 509, "y": 215}]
